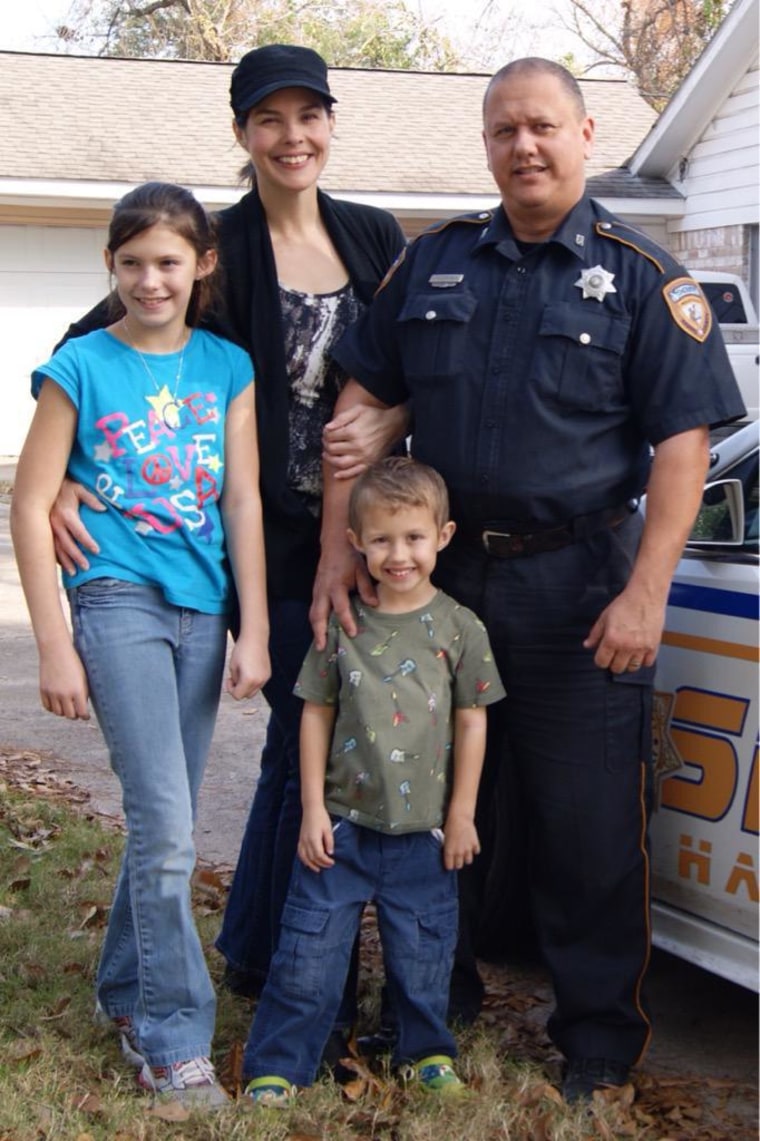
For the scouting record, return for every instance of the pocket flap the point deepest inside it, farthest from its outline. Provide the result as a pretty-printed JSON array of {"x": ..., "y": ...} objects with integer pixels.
[
  {"x": 439, "y": 305},
  {"x": 308, "y": 921},
  {"x": 599, "y": 329}
]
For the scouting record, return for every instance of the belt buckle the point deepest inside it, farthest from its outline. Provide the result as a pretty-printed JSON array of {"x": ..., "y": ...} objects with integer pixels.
[{"x": 488, "y": 535}]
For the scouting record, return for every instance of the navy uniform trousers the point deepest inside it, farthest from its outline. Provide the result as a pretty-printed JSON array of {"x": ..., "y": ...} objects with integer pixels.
[{"x": 580, "y": 738}]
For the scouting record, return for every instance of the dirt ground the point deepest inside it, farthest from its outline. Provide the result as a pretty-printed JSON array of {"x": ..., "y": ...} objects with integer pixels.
[{"x": 706, "y": 1029}]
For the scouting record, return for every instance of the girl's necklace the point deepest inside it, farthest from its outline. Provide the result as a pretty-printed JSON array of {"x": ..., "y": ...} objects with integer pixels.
[{"x": 164, "y": 403}]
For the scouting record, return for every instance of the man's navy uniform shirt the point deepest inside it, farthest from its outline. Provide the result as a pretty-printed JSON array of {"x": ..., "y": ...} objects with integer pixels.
[{"x": 537, "y": 403}]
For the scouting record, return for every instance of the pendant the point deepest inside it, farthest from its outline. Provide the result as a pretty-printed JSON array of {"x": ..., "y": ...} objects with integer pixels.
[{"x": 166, "y": 408}]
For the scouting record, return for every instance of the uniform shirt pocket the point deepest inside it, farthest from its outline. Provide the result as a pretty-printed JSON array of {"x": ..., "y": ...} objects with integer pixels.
[
  {"x": 579, "y": 356},
  {"x": 433, "y": 329}
]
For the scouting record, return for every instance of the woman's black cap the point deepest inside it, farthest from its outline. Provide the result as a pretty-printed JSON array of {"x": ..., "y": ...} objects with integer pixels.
[{"x": 272, "y": 67}]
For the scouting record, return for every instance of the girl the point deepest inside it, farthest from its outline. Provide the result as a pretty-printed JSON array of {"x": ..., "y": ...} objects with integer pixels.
[
  {"x": 157, "y": 419},
  {"x": 298, "y": 267}
]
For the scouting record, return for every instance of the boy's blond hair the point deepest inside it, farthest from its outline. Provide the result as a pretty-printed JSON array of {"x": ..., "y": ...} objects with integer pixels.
[{"x": 397, "y": 482}]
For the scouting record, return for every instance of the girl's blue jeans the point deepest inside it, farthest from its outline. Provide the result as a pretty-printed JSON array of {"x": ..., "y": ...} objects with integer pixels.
[
  {"x": 416, "y": 902},
  {"x": 155, "y": 673}
]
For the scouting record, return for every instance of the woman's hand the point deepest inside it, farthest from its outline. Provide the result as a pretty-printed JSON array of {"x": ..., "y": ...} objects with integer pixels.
[
  {"x": 361, "y": 435},
  {"x": 249, "y": 667},
  {"x": 340, "y": 572},
  {"x": 69, "y": 532}
]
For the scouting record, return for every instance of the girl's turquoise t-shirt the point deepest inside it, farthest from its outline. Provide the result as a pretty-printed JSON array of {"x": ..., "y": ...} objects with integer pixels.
[{"x": 152, "y": 449}]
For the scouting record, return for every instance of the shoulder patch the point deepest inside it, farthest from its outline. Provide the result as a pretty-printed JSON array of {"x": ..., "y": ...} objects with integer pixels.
[{"x": 689, "y": 307}]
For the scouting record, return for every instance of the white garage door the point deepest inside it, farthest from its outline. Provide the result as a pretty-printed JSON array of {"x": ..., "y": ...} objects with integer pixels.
[{"x": 49, "y": 276}]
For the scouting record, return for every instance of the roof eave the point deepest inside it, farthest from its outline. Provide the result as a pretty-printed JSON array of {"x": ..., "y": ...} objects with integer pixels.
[{"x": 42, "y": 195}]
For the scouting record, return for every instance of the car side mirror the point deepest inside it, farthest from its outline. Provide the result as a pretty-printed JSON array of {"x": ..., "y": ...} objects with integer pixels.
[{"x": 720, "y": 521}]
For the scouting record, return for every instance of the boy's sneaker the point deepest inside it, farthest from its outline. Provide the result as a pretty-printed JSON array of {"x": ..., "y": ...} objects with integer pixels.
[
  {"x": 435, "y": 1075},
  {"x": 130, "y": 1047},
  {"x": 192, "y": 1083},
  {"x": 270, "y": 1092}
]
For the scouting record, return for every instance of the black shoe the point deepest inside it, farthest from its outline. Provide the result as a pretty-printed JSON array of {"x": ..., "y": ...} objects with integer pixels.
[
  {"x": 336, "y": 1048},
  {"x": 584, "y": 1075},
  {"x": 466, "y": 993},
  {"x": 246, "y": 984},
  {"x": 381, "y": 1042}
]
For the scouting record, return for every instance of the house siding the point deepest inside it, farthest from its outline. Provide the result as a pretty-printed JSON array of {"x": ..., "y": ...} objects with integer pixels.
[{"x": 719, "y": 179}]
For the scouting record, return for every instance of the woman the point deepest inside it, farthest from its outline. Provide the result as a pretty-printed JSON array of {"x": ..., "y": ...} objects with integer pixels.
[
  {"x": 298, "y": 266},
  {"x": 304, "y": 264}
]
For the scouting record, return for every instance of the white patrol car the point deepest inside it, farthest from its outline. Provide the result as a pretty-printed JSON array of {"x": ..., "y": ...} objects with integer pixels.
[{"x": 704, "y": 831}]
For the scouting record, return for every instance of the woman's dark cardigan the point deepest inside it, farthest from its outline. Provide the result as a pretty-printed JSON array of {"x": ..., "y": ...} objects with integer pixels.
[{"x": 368, "y": 241}]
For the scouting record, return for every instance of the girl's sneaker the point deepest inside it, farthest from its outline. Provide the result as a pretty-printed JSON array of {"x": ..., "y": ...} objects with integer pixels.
[
  {"x": 270, "y": 1092},
  {"x": 192, "y": 1083},
  {"x": 435, "y": 1075},
  {"x": 130, "y": 1047}
]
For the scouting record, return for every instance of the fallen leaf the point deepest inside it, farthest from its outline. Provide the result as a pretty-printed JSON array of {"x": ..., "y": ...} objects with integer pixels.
[
  {"x": 168, "y": 1111},
  {"x": 74, "y": 968},
  {"x": 87, "y": 1103},
  {"x": 21, "y": 1051},
  {"x": 616, "y": 1095},
  {"x": 93, "y": 914},
  {"x": 58, "y": 1010},
  {"x": 32, "y": 973}
]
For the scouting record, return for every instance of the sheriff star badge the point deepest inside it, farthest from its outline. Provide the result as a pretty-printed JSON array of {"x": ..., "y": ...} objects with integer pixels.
[{"x": 596, "y": 282}]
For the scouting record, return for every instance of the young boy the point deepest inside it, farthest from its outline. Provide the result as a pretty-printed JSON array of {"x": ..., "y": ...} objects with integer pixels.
[{"x": 392, "y": 742}]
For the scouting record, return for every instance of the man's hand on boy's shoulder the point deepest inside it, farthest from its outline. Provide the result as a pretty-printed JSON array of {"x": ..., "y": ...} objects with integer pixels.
[
  {"x": 316, "y": 843},
  {"x": 460, "y": 842}
]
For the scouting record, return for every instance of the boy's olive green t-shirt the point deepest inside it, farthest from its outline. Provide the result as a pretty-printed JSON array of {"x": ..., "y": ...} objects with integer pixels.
[{"x": 396, "y": 685}]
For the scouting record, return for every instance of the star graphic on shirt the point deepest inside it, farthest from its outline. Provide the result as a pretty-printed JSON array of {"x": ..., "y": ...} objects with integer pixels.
[
  {"x": 143, "y": 528},
  {"x": 103, "y": 452},
  {"x": 175, "y": 483},
  {"x": 165, "y": 407},
  {"x": 214, "y": 463},
  {"x": 596, "y": 282}
]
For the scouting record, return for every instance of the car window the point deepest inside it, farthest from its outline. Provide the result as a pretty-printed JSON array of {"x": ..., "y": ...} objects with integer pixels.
[
  {"x": 747, "y": 472},
  {"x": 726, "y": 302},
  {"x": 718, "y": 520}
]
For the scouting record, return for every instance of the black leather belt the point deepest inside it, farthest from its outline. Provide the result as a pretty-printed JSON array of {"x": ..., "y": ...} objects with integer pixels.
[{"x": 512, "y": 544}]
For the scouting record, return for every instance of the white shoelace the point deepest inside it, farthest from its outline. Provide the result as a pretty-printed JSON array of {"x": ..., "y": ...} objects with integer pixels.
[{"x": 182, "y": 1075}]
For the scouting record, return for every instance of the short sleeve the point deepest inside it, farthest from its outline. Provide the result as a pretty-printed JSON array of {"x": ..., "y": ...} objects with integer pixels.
[
  {"x": 476, "y": 680},
  {"x": 692, "y": 383},
  {"x": 369, "y": 349},
  {"x": 319, "y": 678},
  {"x": 63, "y": 368},
  {"x": 241, "y": 367}
]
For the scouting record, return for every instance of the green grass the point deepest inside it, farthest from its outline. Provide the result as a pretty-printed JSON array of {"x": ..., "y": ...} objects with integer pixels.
[{"x": 62, "y": 1077}]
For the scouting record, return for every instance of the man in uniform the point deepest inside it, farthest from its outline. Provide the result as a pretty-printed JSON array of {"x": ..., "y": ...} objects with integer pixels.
[{"x": 559, "y": 364}]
